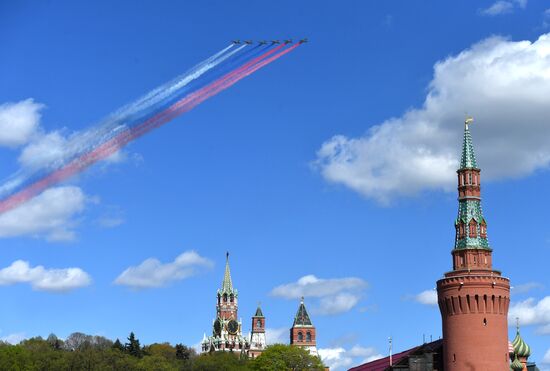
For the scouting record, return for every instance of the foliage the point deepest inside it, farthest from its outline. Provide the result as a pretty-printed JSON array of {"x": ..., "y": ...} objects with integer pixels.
[
  {"x": 96, "y": 353},
  {"x": 285, "y": 357}
]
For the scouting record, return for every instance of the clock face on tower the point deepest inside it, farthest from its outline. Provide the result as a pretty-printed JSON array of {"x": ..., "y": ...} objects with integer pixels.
[
  {"x": 232, "y": 327},
  {"x": 217, "y": 327}
]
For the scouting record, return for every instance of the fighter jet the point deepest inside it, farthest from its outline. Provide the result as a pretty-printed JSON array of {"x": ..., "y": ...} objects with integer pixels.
[
  {"x": 304, "y": 40},
  {"x": 275, "y": 42},
  {"x": 248, "y": 42},
  {"x": 236, "y": 42},
  {"x": 262, "y": 42},
  {"x": 288, "y": 41}
]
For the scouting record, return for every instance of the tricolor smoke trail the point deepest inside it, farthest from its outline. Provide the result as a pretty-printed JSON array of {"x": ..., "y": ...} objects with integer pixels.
[{"x": 205, "y": 80}]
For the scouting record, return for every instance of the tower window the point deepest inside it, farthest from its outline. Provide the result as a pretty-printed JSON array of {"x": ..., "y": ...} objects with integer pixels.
[
  {"x": 300, "y": 336},
  {"x": 470, "y": 178},
  {"x": 483, "y": 230},
  {"x": 484, "y": 321},
  {"x": 225, "y": 298},
  {"x": 259, "y": 323},
  {"x": 232, "y": 298},
  {"x": 473, "y": 229},
  {"x": 308, "y": 336}
]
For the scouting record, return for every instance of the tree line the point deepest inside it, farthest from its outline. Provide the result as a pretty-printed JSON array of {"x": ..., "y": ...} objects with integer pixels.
[{"x": 90, "y": 353}]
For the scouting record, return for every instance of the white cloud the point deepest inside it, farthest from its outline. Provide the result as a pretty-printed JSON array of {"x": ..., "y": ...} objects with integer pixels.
[
  {"x": 50, "y": 214},
  {"x": 504, "y": 7},
  {"x": 42, "y": 279},
  {"x": 18, "y": 122},
  {"x": 14, "y": 339},
  {"x": 279, "y": 335},
  {"x": 503, "y": 83},
  {"x": 531, "y": 312},
  {"x": 335, "y": 295},
  {"x": 546, "y": 358},
  {"x": 337, "y": 304},
  {"x": 427, "y": 297},
  {"x": 152, "y": 273},
  {"x": 340, "y": 358}
]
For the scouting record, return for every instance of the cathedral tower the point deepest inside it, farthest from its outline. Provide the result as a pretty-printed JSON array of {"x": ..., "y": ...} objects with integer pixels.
[
  {"x": 226, "y": 329},
  {"x": 257, "y": 337},
  {"x": 302, "y": 333},
  {"x": 473, "y": 298}
]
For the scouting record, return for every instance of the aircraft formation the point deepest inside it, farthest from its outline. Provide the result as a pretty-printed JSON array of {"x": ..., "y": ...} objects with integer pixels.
[{"x": 265, "y": 42}]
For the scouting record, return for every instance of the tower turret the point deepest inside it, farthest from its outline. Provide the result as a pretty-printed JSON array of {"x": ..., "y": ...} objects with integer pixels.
[
  {"x": 257, "y": 338},
  {"x": 473, "y": 298},
  {"x": 302, "y": 333}
]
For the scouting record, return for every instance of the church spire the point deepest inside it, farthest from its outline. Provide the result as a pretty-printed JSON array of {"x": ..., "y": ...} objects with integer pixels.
[
  {"x": 468, "y": 159},
  {"x": 227, "y": 285}
]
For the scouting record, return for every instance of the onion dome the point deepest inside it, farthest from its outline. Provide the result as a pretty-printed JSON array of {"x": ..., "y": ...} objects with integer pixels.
[
  {"x": 516, "y": 365},
  {"x": 521, "y": 349}
]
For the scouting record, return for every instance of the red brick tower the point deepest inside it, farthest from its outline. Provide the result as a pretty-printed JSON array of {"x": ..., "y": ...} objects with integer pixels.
[
  {"x": 257, "y": 337},
  {"x": 473, "y": 298},
  {"x": 302, "y": 333}
]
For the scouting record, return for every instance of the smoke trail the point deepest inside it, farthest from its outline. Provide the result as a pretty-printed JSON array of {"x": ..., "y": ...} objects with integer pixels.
[
  {"x": 84, "y": 141},
  {"x": 126, "y": 135}
]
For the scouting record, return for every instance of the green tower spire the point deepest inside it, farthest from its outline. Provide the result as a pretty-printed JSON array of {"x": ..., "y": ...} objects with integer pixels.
[
  {"x": 227, "y": 284},
  {"x": 468, "y": 159},
  {"x": 469, "y": 204}
]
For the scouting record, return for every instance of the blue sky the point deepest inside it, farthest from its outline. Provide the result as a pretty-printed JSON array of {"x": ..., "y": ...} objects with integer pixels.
[{"x": 336, "y": 161}]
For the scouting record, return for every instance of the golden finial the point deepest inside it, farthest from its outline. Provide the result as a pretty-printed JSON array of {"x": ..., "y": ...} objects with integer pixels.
[{"x": 468, "y": 121}]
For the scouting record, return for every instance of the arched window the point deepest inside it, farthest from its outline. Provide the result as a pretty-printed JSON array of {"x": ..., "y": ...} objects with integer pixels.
[
  {"x": 473, "y": 229},
  {"x": 461, "y": 230},
  {"x": 470, "y": 178},
  {"x": 483, "y": 230},
  {"x": 308, "y": 337},
  {"x": 462, "y": 179},
  {"x": 259, "y": 323},
  {"x": 231, "y": 298},
  {"x": 300, "y": 336},
  {"x": 225, "y": 298}
]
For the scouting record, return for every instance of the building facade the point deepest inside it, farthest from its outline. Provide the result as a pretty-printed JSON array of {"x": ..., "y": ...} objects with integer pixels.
[
  {"x": 303, "y": 332},
  {"x": 226, "y": 329},
  {"x": 473, "y": 298}
]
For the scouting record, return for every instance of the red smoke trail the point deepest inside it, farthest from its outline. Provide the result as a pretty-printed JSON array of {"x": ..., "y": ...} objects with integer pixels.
[{"x": 113, "y": 145}]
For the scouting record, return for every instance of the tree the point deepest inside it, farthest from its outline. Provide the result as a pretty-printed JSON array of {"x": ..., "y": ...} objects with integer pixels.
[
  {"x": 132, "y": 346},
  {"x": 220, "y": 361},
  {"x": 54, "y": 342},
  {"x": 184, "y": 353},
  {"x": 118, "y": 345},
  {"x": 78, "y": 341},
  {"x": 286, "y": 357}
]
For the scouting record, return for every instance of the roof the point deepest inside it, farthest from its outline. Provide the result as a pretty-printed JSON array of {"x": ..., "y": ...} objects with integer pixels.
[
  {"x": 468, "y": 160},
  {"x": 383, "y": 364},
  {"x": 227, "y": 284},
  {"x": 521, "y": 349},
  {"x": 259, "y": 312},
  {"x": 302, "y": 318}
]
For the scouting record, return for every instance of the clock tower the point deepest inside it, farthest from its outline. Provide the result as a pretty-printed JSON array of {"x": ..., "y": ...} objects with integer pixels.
[{"x": 226, "y": 328}]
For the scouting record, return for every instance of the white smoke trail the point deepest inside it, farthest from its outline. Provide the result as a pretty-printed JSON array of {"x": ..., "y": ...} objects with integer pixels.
[{"x": 81, "y": 142}]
